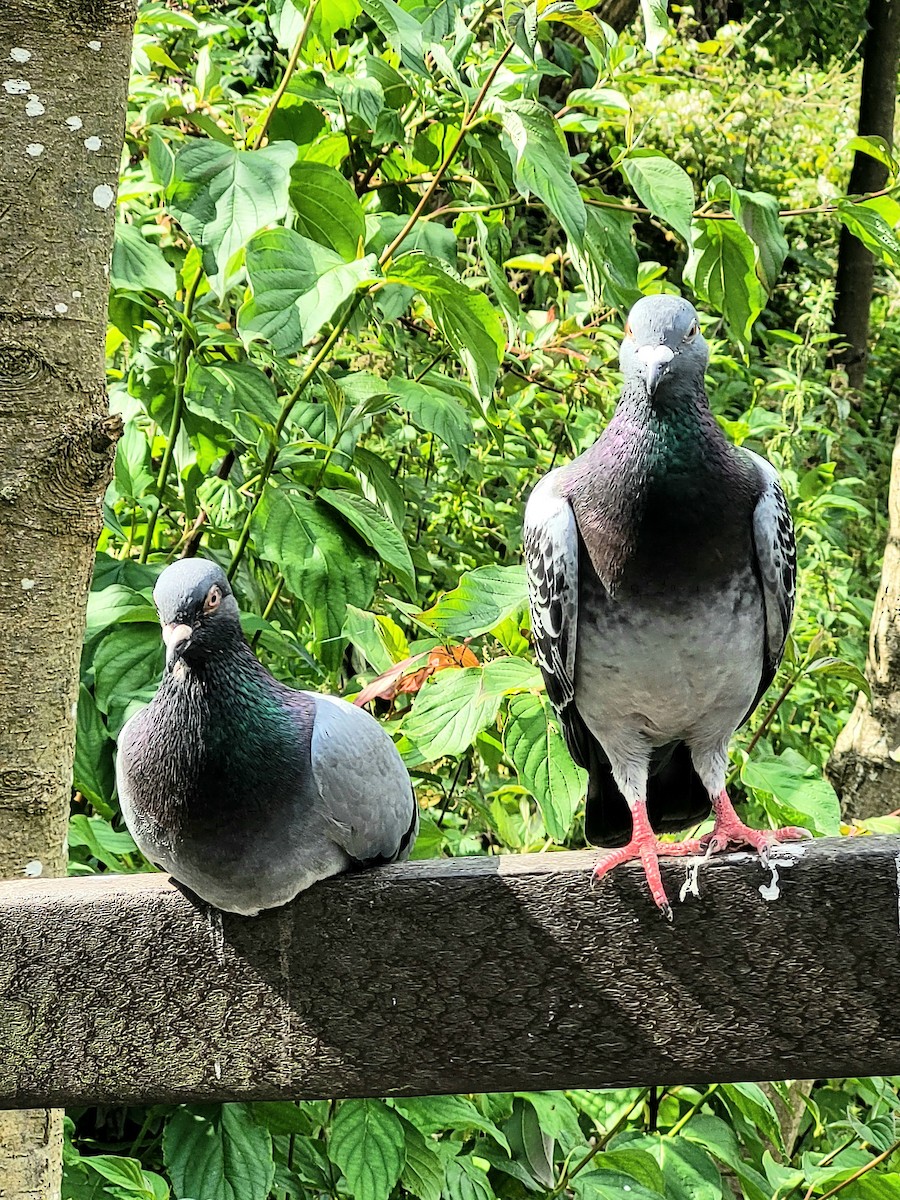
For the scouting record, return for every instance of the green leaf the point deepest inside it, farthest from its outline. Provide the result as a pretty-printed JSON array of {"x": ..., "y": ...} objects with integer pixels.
[
  {"x": 328, "y": 211},
  {"x": 138, "y": 264},
  {"x": 689, "y": 1174},
  {"x": 611, "y": 1185},
  {"x": 866, "y": 223},
  {"x": 128, "y": 664},
  {"x": 93, "y": 768},
  {"x": 218, "y": 1153},
  {"x": 750, "y": 1100},
  {"x": 368, "y": 1145},
  {"x": 537, "y": 750},
  {"x": 455, "y": 706},
  {"x": 435, "y": 1114},
  {"x": 465, "y": 1180},
  {"x": 663, "y": 187},
  {"x": 222, "y": 196},
  {"x": 324, "y": 563},
  {"x": 376, "y": 530},
  {"x": 637, "y": 1163},
  {"x": 436, "y": 412},
  {"x": 655, "y": 16},
  {"x": 231, "y": 394},
  {"x": 540, "y": 160},
  {"x": 806, "y": 797},
  {"x": 758, "y": 215},
  {"x": 423, "y": 1170},
  {"x": 126, "y": 1173},
  {"x": 608, "y": 262},
  {"x": 877, "y": 148},
  {"x": 839, "y": 668},
  {"x": 450, "y": 712},
  {"x": 557, "y": 1116},
  {"x": 721, "y": 269},
  {"x": 719, "y": 1139},
  {"x": 466, "y": 318},
  {"x": 379, "y": 639},
  {"x": 101, "y": 840},
  {"x": 402, "y": 31},
  {"x": 482, "y": 599},
  {"x": 115, "y": 604},
  {"x": 298, "y": 286},
  {"x": 567, "y": 12},
  {"x": 520, "y": 18},
  {"x": 874, "y": 1187},
  {"x": 132, "y": 474},
  {"x": 530, "y": 1144}
]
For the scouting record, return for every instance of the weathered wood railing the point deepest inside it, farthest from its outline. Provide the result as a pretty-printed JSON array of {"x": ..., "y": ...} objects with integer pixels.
[{"x": 468, "y": 975}]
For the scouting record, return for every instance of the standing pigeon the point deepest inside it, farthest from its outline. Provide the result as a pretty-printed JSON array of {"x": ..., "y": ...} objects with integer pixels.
[
  {"x": 241, "y": 788},
  {"x": 661, "y": 570}
]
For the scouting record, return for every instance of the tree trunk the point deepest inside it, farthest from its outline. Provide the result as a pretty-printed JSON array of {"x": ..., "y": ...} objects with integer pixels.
[
  {"x": 856, "y": 266},
  {"x": 65, "y": 71},
  {"x": 865, "y": 765}
]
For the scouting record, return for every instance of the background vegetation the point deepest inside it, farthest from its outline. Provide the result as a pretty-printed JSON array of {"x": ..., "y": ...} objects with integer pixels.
[{"x": 370, "y": 272}]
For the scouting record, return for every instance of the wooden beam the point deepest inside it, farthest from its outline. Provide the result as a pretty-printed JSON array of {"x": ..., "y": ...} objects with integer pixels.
[{"x": 480, "y": 974}]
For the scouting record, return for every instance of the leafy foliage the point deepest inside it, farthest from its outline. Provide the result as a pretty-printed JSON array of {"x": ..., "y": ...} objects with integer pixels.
[{"x": 370, "y": 270}]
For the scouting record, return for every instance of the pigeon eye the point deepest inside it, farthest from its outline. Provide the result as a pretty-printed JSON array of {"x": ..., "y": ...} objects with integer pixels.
[
  {"x": 692, "y": 332},
  {"x": 213, "y": 599}
]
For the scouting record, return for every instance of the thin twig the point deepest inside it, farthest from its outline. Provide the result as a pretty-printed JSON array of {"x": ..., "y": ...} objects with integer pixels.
[
  {"x": 607, "y": 1137},
  {"x": 341, "y": 324},
  {"x": 856, "y": 1174},
  {"x": 464, "y": 128},
  {"x": 178, "y": 383},
  {"x": 286, "y": 77}
]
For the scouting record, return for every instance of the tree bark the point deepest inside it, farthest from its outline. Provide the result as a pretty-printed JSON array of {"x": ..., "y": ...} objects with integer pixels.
[
  {"x": 62, "y": 98},
  {"x": 865, "y": 765},
  {"x": 856, "y": 266}
]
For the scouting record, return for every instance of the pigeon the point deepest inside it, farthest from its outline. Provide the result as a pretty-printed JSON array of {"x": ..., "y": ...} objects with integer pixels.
[
  {"x": 661, "y": 573},
  {"x": 245, "y": 790}
]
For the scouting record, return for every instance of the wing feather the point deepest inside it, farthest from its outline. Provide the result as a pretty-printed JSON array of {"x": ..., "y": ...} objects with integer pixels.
[
  {"x": 551, "y": 562},
  {"x": 776, "y": 562}
]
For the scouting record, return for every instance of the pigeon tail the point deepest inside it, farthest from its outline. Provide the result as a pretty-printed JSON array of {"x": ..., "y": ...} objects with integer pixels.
[{"x": 676, "y": 798}]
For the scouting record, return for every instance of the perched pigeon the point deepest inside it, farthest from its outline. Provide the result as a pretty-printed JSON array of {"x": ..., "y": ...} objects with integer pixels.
[
  {"x": 241, "y": 788},
  {"x": 661, "y": 570}
]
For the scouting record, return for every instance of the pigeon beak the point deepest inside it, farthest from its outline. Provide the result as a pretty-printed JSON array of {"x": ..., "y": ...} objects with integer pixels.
[
  {"x": 654, "y": 362},
  {"x": 177, "y": 639}
]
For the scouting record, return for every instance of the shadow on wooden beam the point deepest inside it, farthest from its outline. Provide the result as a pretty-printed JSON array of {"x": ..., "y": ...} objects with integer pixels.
[{"x": 482, "y": 974}]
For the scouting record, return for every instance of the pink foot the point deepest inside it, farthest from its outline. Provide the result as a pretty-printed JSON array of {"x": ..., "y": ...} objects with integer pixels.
[
  {"x": 644, "y": 845},
  {"x": 730, "y": 832}
]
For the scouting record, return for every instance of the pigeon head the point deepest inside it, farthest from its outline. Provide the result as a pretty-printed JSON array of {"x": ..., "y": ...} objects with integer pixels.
[
  {"x": 197, "y": 610},
  {"x": 663, "y": 346}
]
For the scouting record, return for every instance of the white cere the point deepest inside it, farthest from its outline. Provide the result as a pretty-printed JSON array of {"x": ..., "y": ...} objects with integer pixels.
[
  {"x": 20, "y": 55},
  {"x": 34, "y": 108},
  {"x": 61, "y": 308},
  {"x": 95, "y": 45},
  {"x": 74, "y": 123},
  {"x": 103, "y": 195},
  {"x": 35, "y": 149},
  {"x": 27, "y": 584},
  {"x": 92, "y": 143},
  {"x": 33, "y": 869},
  {"x": 16, "y": 87}
]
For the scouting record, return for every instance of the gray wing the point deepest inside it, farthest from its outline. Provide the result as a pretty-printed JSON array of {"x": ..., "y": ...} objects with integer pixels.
[
  {"x": 776, "y": 562},
  {"x": 364, "y": 791},
  {"x": 551, "y": 563}
]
